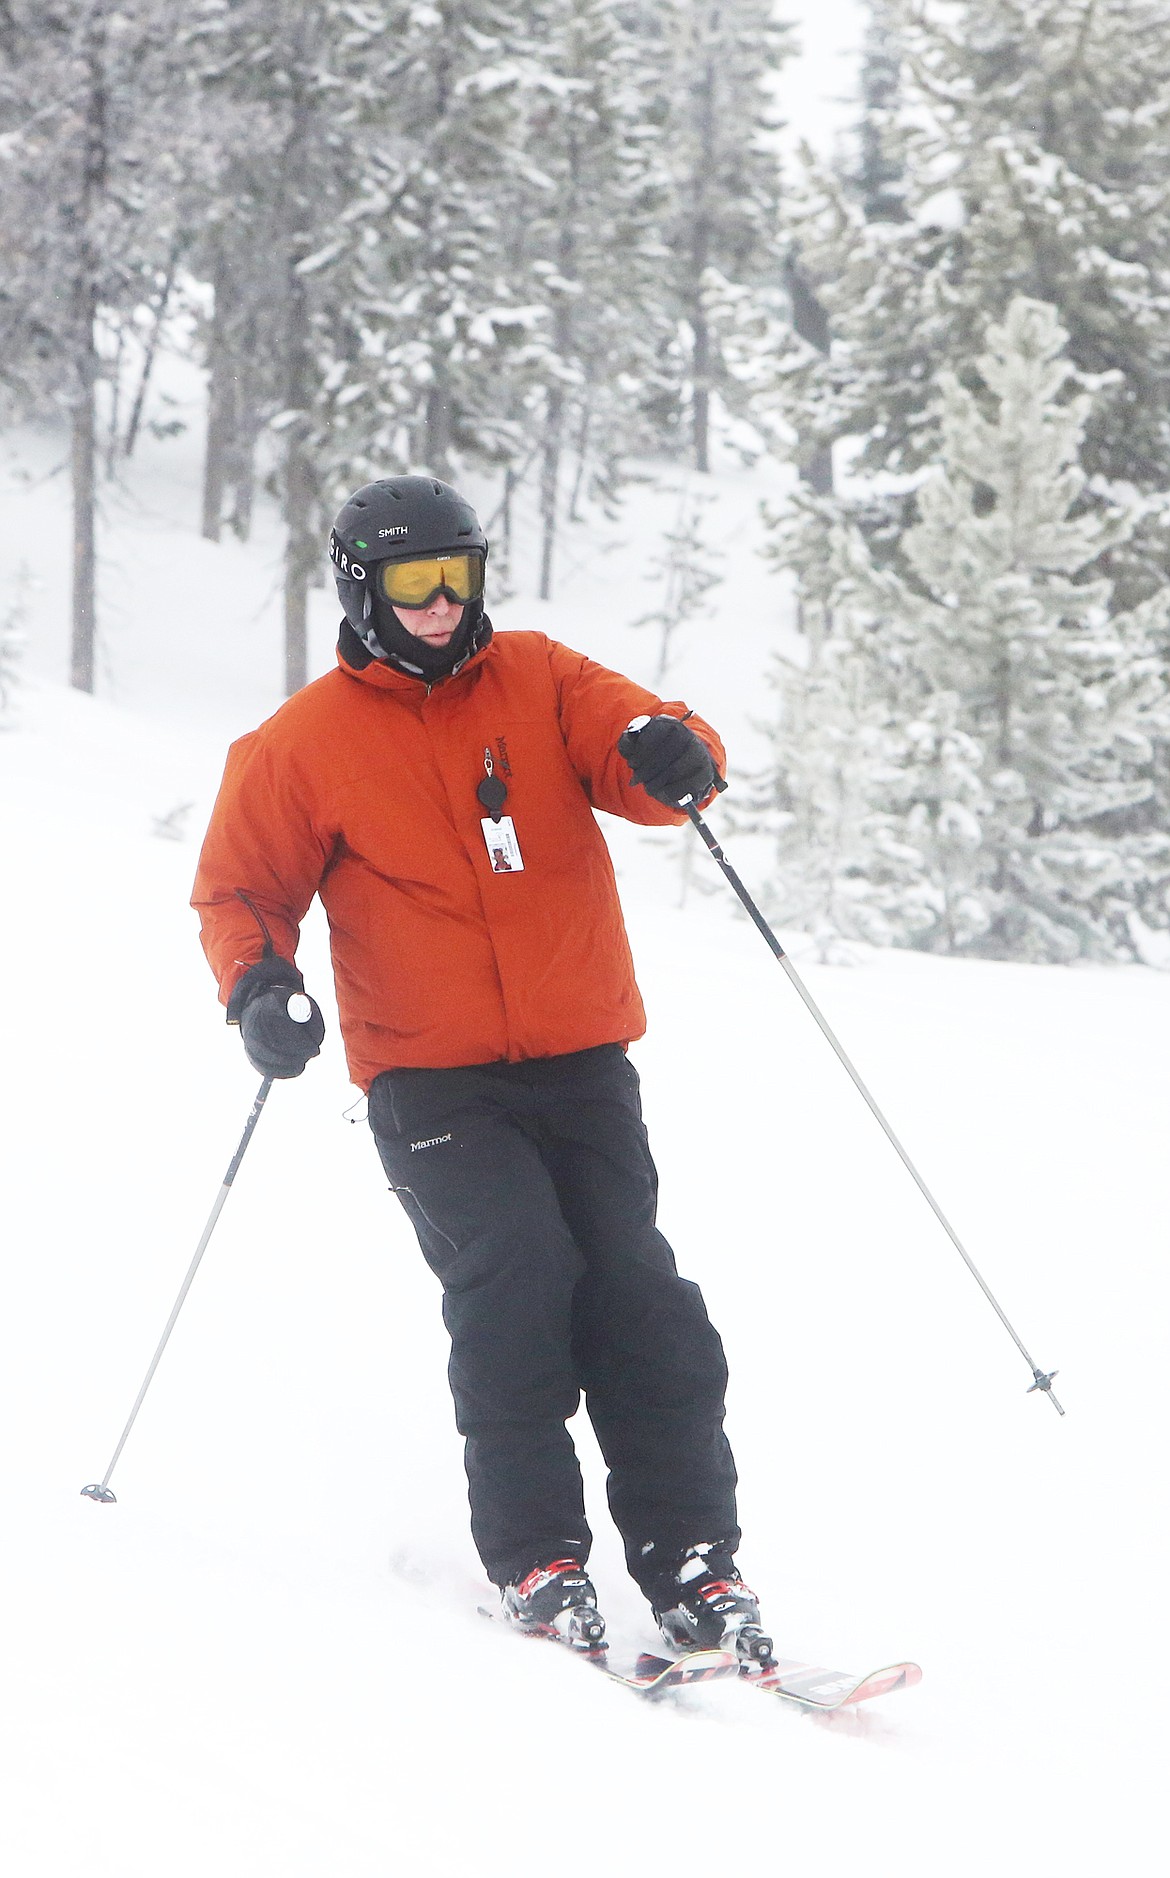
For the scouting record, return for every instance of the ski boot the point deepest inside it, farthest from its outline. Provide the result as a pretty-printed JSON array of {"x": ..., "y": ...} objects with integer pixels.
[
  {"x": 557, "y": 1597},
  {"x": 703, "y": 1604}
]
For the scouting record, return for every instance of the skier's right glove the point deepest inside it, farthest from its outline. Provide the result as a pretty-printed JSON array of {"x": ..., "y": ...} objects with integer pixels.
[
  {"x": 276, "y": 1044},
  {"x": 670, "y": 762}
]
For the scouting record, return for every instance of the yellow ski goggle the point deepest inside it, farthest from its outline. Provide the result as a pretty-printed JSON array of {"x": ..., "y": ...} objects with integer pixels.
[{"x": 416, "y": 583}]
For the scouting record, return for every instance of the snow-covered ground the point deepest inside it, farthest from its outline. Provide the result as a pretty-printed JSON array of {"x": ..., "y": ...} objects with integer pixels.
[{"x": 265, "y": 1659}]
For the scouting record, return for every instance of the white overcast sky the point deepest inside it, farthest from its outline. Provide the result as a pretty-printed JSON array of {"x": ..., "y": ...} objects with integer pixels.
[{"x": 818, "y": 92}]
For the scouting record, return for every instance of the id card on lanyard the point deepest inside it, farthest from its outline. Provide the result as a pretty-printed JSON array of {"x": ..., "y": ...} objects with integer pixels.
[
  {"x": 499, "y": 831},
  {"x": 502, "y": 845}
]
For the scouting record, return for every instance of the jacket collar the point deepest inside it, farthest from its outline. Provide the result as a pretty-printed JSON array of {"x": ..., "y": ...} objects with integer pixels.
[{"x": 357, "y": 662}]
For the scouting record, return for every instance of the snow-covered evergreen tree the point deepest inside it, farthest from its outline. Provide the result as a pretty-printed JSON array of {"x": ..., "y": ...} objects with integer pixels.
[
  {"x": 237, "y": 251},
  {"x": 753, "y": 332},
  {"x": 287, "y": 162},
  {"x": 878, "y": 176},
  {"x": 685, "y": 571},
  {"x": 591, "y": 246},
  {"x": 90, "y": 113},
  {"x": 13, "y": 641},
  {"x": 841, "y": 867},
  {"x": 717, "y": 63},
  {"x": 430, "y": 323},
  {"x": 1033, "y": 139},
  {"x": 1001, "y": 712}
]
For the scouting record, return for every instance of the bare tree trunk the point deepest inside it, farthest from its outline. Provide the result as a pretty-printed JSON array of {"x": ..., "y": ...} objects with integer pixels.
[
  {"x": 812, "y": 324},
  {"x": 149, "y": 354},
  {"x": 300, "y": 558},
  {"x": 582, "y": 452},
  {"x": 549, "y": 479},
  {"x": 115, "y": 377},
  {"x": 83, "y": 456},
  {"x": 438, "y": 426},
  {"x": 301, "y": 548},
  {"x": 83, "y": 442},
  {"x": 297, "y": 218},
  {"x": 246, "y": 436},
  {"x": 220, "y": 408},
  {"x": 244, "y": 475},
  {"x": 701, "y": 395},
  {"x": 700, "y": 255},
  {"x": 215, "y": 455},
  {"x": 505, "y": 515}
]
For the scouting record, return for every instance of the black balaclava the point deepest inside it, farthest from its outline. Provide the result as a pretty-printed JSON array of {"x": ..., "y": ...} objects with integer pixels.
[{"x": 386, "y": 638}]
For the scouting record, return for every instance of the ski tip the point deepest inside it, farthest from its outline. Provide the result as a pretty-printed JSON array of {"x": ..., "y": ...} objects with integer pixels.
[
  {"x": 827, "y": 1691},
  {"x": 884, "y": 1682}
]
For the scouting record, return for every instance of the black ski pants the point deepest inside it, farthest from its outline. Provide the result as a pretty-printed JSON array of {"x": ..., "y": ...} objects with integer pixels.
[{"x": 533, "y": 1194}]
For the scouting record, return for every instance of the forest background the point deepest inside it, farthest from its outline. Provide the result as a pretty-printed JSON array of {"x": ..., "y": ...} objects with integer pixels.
[
  {"x": 918, "y": 589},
  {"x": 548, "y": 247}
]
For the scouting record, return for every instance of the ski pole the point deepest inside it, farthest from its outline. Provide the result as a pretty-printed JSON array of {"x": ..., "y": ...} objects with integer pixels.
[
  {"x": 1040, "y": 1379},
  {"x": 100, "y": 1490}
]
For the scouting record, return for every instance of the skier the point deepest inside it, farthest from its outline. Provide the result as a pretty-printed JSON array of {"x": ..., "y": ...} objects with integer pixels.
[{"x": 437, "y": 791}]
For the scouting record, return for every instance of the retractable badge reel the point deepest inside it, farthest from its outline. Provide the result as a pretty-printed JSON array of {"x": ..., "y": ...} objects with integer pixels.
[{"x": 499, "y": 832}]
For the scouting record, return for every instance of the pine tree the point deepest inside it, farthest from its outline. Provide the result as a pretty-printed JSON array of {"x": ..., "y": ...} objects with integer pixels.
[
  {"x": 842, "y": 868},
  {"x": 878, "y": 179},
  {"x": 90, "y": 111},
  {"x": 13, "y": 641},
  {"x": 1033, "y": 139},
  {"x": 718, "y": 61},
  {"x": 591, "y": 244},
  {"x": 1020, "y": 708},
  {"x": 432, "y": 328},
  {"x": 685, "y": 572},
  {"x": 236, "y": 254},
  {"x": 290, "y": 160}
]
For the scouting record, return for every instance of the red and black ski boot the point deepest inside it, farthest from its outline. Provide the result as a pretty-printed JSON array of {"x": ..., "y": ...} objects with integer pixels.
[
  {"x": 557, "y": 1597},
  {"x": 703, "y": 1604}
]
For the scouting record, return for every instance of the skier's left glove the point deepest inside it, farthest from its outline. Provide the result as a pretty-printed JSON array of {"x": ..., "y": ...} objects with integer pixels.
[
  {"x": 669, "y": 761},
  {"x": 275, "y": 1043}
]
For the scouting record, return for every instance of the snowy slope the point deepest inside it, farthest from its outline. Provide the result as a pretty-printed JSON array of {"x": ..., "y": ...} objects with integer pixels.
[{"x": 265, "y": 1658}]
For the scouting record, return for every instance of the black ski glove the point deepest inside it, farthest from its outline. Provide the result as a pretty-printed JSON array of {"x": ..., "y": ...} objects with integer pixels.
[
  {"x": 276, "y": 1044},
  {"x": 667, "y": 758}
]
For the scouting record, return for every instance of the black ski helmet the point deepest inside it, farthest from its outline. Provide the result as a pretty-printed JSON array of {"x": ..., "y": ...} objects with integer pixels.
[{"x": 404, "y": 518}]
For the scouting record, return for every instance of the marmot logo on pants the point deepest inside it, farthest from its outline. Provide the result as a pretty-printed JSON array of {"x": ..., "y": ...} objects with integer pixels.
[{"x": 436, "y": 1141}]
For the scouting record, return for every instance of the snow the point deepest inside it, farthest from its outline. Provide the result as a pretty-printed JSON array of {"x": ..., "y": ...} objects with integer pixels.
[{"x": 265, "y": 1659}]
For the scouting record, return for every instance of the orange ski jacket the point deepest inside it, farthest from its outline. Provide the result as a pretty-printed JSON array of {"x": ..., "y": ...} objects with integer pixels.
[{"x": 362, "y": 788}]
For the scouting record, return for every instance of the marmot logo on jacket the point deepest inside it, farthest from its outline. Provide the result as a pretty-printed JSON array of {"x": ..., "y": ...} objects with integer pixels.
[{"x": 436, "y": 1141}]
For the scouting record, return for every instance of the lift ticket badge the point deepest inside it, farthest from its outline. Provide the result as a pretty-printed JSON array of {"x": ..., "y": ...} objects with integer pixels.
[{"x": 502, "y": 845}]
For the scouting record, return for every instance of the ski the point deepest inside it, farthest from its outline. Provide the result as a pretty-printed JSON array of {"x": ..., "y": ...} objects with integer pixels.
[
  {"x": 651, "y": 1675},
  {"x": 808, "y": 1687},
  {"x": 802, "y": 1684},
  {"x": 828, "y": 1689}
]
